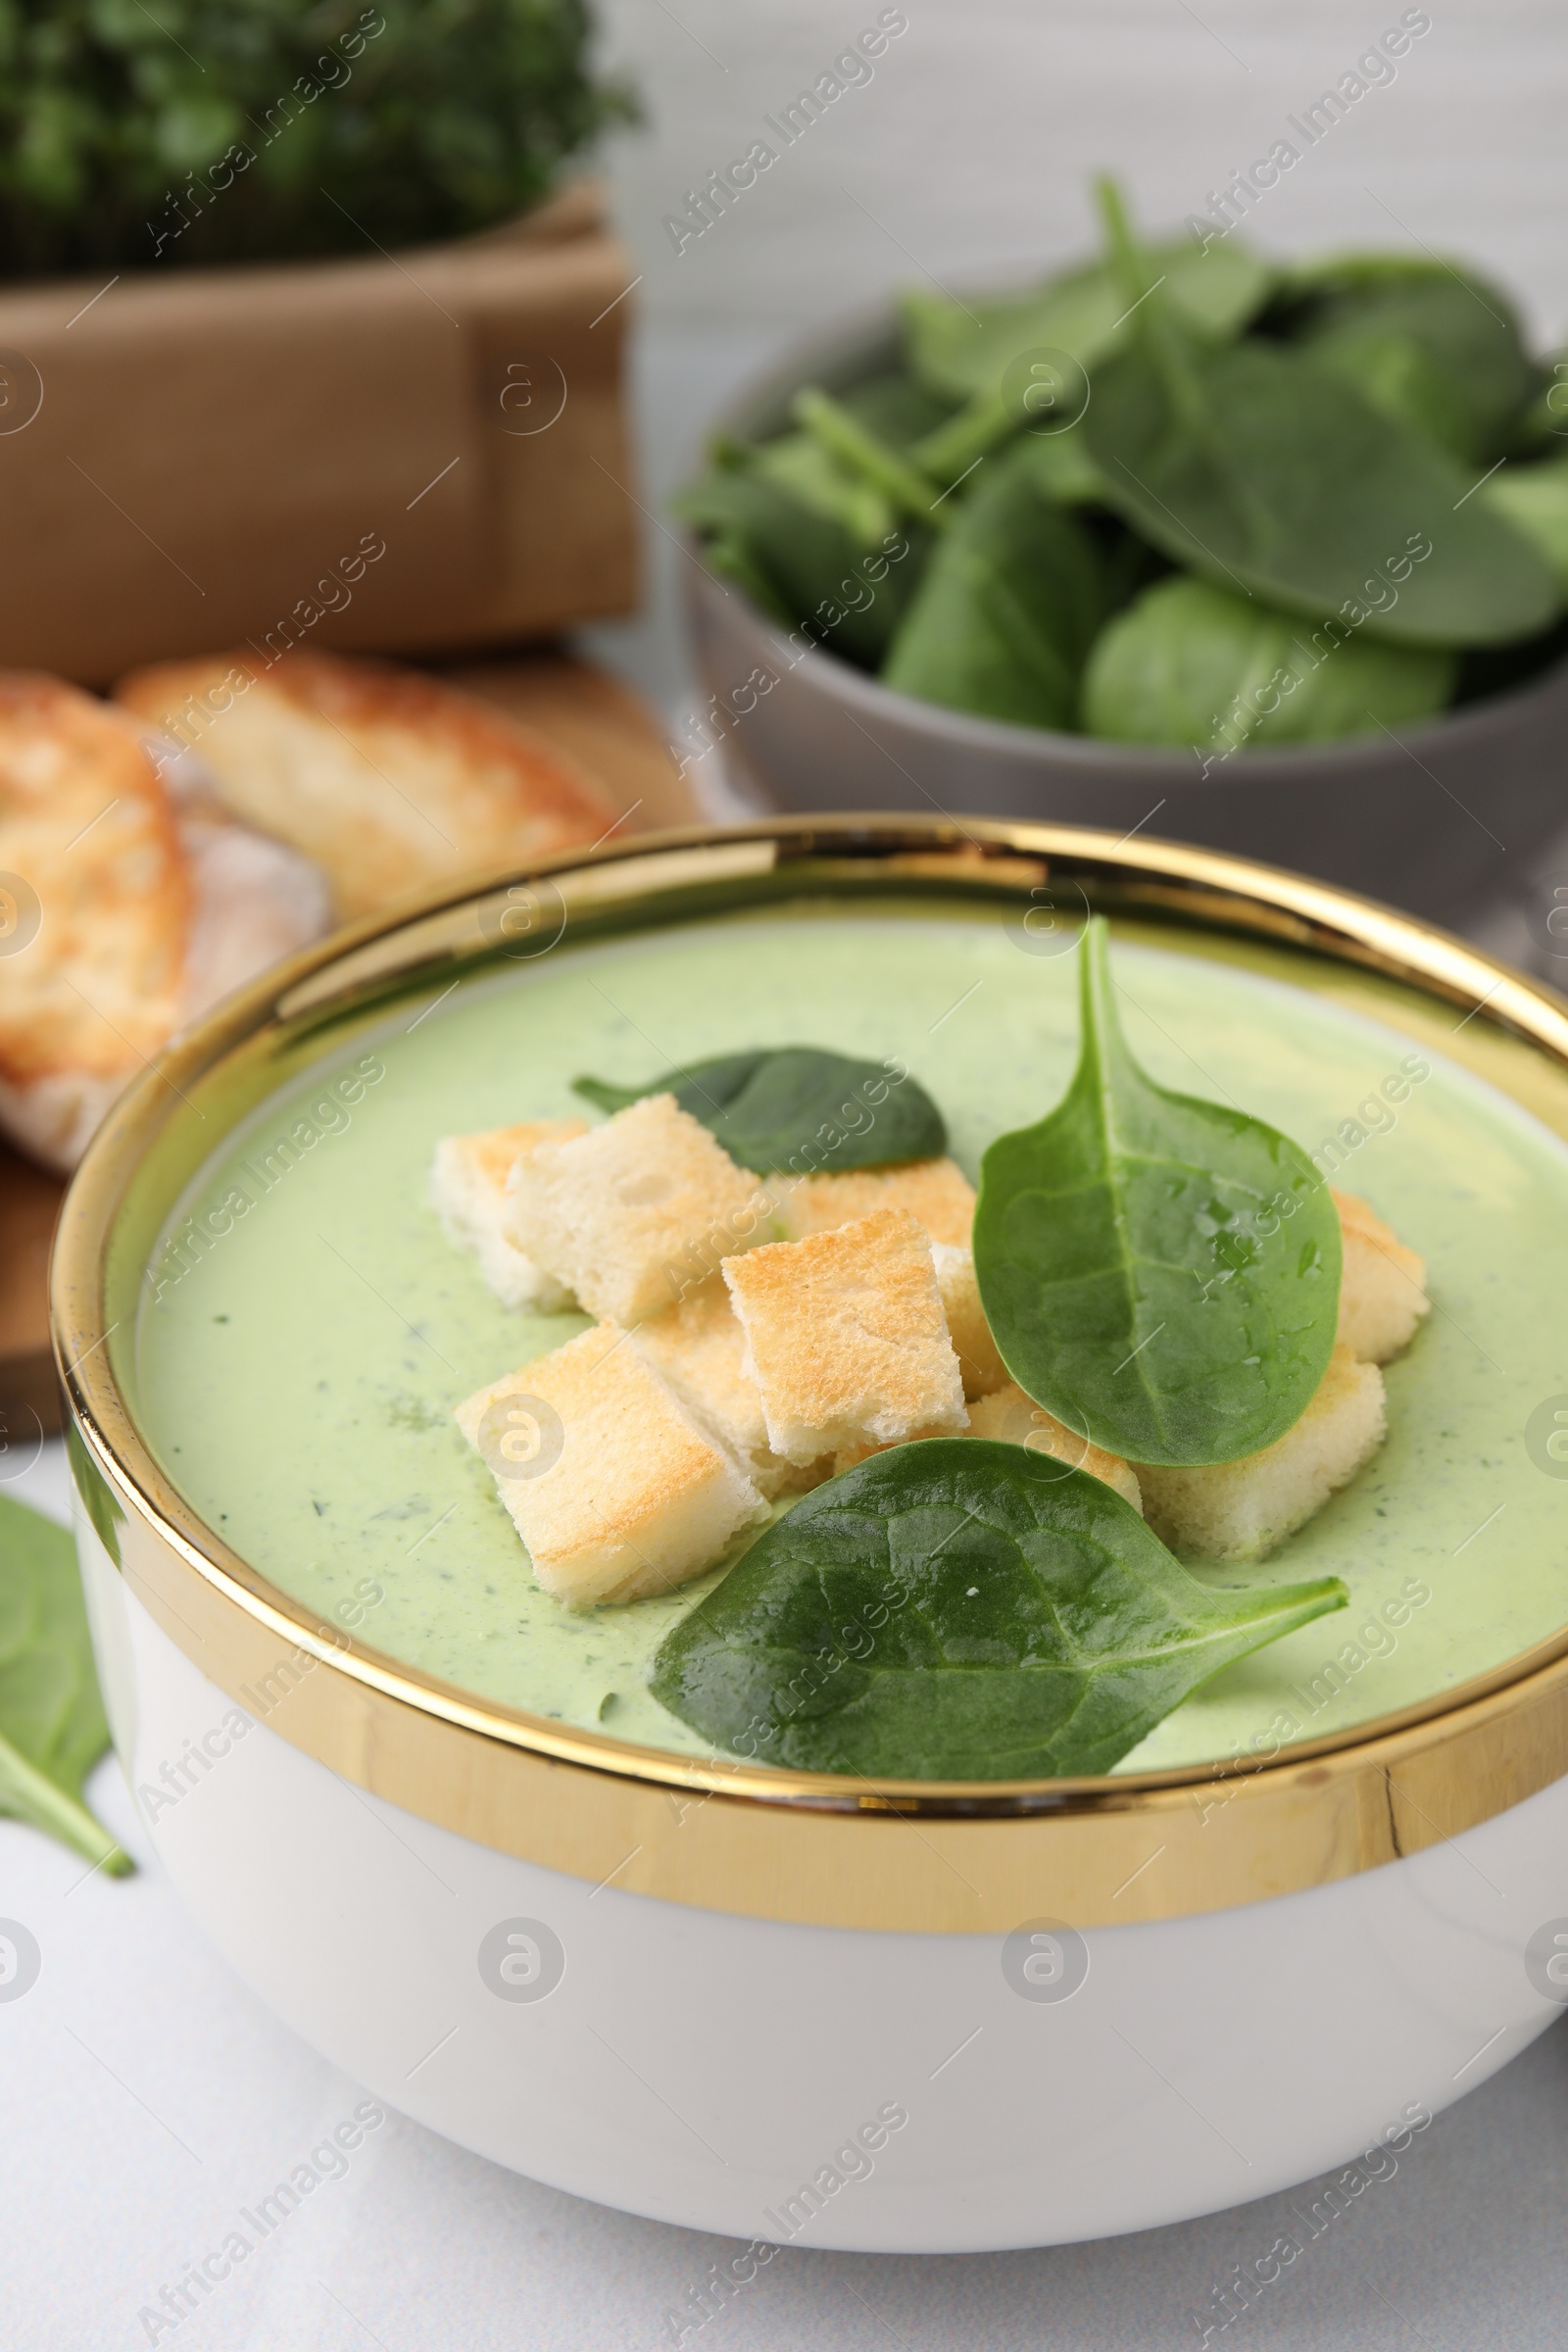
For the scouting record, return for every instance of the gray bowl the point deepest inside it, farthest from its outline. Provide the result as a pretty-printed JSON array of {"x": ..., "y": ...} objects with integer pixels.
[{"x": 1441, "y": 817}]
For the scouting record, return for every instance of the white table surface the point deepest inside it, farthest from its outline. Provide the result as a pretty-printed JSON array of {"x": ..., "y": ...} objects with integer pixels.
[{"x": 145, "y": 2095}]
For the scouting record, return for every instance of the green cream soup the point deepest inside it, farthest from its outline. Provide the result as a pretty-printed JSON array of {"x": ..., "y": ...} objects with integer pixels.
[{"x": 298, "y": 1381}]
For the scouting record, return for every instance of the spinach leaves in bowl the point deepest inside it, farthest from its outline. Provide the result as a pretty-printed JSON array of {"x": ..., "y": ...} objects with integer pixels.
[{"x": 1172, "y": 497}]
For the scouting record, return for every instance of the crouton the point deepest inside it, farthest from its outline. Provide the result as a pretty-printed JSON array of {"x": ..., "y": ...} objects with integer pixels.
[
  {"x": 633, "y": 1215},
  {"x": 848, "y": 1455},
  {"x": 1015, "y": 1419},
  {"x": 936, "y": 1193},
  {"x": 468, "y": 1189},
  {"x": 979, "y": 1360},
  {"x": 386, "y": 777},
  {"x": 1241, "y": 1510},
  {"x": 618, "y": 1492},
  {"x": 700, "y": 1349},
  {"x": 846, "y": 1336},
  {"x": 1383, "y": 1288}
]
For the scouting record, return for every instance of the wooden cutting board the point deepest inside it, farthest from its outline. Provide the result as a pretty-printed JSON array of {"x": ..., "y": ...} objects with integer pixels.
[{"x": 573, "y": 705}]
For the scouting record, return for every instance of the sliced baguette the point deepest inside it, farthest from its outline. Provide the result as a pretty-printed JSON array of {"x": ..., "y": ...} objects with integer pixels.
[{"x": 387, "y": 778}]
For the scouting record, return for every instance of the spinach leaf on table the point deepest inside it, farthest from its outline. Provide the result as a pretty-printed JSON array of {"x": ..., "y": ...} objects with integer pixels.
[
  {"x": 1160, "y": 1273},
  {"x": 774, "y": 1107},
  {"x": 1006, "y": 606},
  {"x": 960, "y": 1609},
  {"x": 1259, "y": 470},
  {"x": 52, "y": 1727},
  {"x": 1190, "y": 664}
]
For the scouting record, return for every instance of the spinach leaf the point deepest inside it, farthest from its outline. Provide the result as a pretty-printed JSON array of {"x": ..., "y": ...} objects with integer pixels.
[
  {"x": 1534, "y": 500},
  {"x": 1432, "y": 346},
  {"x": 861, "y": 452},
  {"x": 799, "y": 465},
  {"x": 962, "y": 351},
  {"x": 960, "y": 1609},
  {"x": 1188, "y": 664},
  {"x": 1160, "y": 1273},
  {"x": 1006, "y": 607},
  {"x": 812, "y": 544},
  {"x": 1260, "y": 472},
  {"x": 52, "y": 1727},
  {"x": 896, "y": 408},
  {"x": 798, "y": 1107}
]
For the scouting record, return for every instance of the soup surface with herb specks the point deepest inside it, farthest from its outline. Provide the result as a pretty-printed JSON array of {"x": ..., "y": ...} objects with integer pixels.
[{"x": 298, "y": 1382}]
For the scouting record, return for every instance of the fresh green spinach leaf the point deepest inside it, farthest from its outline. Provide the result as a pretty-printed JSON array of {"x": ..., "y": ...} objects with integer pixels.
[
  {"x": 1534, "y": 500},
  {"x": 798, "y": 1107},
  {"x": 960, "y": 1609},
  {"x": 1426, "y": 344},
  {"x": 864, "y": 453},
  {"x": 814, "y": 545},
  {"x": 1189, "y": 664},
  {"x": 52, "y": 1727},
  {"x": 962, "y": 351},
  {"x": 1006, "y": 607},
  {"x": 1262, "y": 471},
  {"x": 896, "y": 408},
  {"x": 1159, "y": 1272},
  {"x": 1277, "y": 480}
]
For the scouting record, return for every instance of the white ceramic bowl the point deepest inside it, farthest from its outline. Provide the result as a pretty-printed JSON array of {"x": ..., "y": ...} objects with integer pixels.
[{"x": 794, "y": 2010}]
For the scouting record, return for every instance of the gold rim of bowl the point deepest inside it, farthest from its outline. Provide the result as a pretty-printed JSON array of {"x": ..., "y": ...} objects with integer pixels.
[{"x": 922, "y": 1856}]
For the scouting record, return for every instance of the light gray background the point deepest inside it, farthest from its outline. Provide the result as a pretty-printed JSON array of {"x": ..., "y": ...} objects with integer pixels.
[{"x": 143, "y": 2093}]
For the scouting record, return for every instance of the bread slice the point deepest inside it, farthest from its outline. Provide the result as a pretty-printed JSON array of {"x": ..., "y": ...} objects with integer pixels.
[
  {"x": 633, "y": 1497},
  {"x": 1383, "y": 1288},
  {"x": 468, "y": 1189},
  {"x": 700, "y": 1349},
  {"x": 636, "y": 1212},
  {"x": 1241, "y": 1510},
  {"x": 979, "y": 1360},
  {"x": 846, "y": 1336},
  {"x": 1015, "y": 1419},
  {"x": 388, "y": 779},
  {"x": 96, "y": 916},
  {"x": 936, "y": 1193}
]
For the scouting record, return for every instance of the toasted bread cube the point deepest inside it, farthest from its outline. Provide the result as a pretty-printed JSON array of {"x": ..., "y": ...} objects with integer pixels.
[
  {"x": 1383, "y": 1294},
  {"x": 635, "y": 1213},
  {"x": 1241, "y": 1510},
  {"x": 846, "y": 1336},
  {"x": 700, "y": 1349},
  {"x": 979, "y": 1360},
  {"x": 1015, "y": 1419},
  {"x": 468, "y": 1187},
  {"x": 937, "y": 1193},
  {"x": 848, "y": 1455},
  {"x": 626, "y": 1495}
]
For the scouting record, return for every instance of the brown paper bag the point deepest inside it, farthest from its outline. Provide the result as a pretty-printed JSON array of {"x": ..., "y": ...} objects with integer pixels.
[{"x": 398, "y": 454}]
